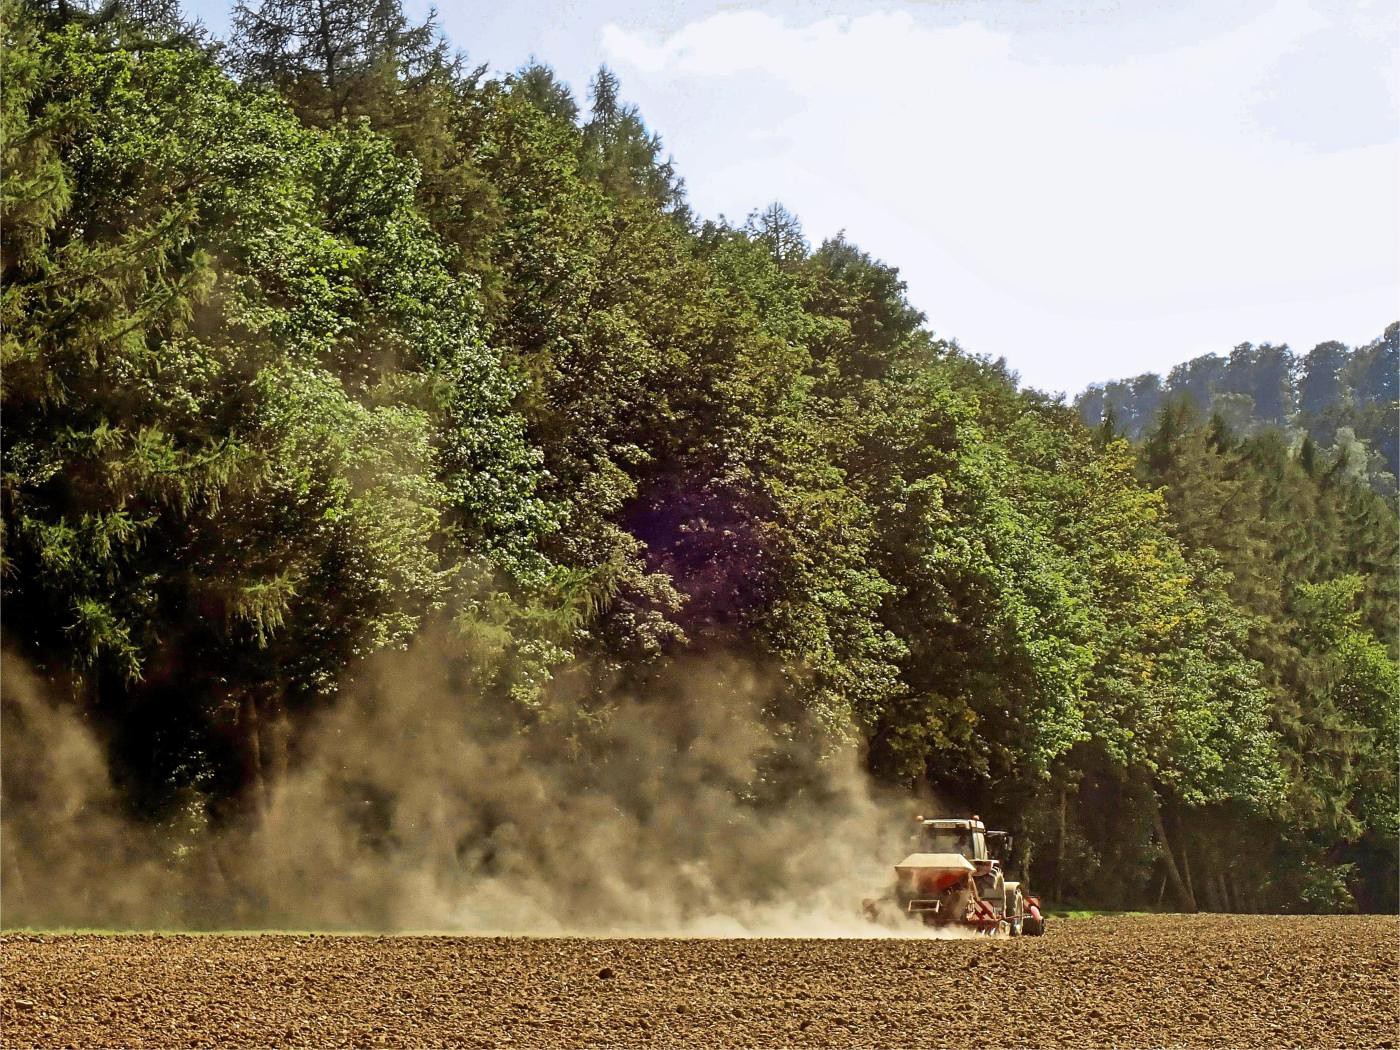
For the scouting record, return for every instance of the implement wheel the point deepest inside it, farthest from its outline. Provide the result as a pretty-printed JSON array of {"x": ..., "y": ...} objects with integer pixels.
[{"x": 1033, "y": 927}]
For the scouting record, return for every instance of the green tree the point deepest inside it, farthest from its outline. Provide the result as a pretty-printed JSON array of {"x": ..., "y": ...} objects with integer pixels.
[{"x": 326, "y": 53}]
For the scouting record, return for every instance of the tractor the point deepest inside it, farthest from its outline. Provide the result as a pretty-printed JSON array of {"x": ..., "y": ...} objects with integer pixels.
[{"x": 951, "y": 881}]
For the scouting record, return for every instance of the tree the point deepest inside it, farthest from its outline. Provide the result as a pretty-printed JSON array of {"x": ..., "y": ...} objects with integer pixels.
[
  {"x": 780, "y": 231},
  {"x": 536, "y": 83},
  {"x": 1374, "y": 371},
  {"x": 327, "y": 52},
  {"x": 621, "y": 154},
  {"x": 1320, "y": 381},
  {"x": 139, "y": 25}
]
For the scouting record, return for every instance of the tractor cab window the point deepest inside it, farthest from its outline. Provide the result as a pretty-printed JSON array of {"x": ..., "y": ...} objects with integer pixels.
[
  {"x": 971, "y": 844},
  {"x": 950, "y": 840}
]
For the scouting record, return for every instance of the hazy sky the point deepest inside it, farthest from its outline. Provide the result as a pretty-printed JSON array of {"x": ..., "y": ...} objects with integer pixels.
[{"x": 1089, "y": 189}]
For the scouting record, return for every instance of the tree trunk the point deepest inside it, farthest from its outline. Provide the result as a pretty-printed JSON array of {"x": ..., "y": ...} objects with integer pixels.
[
  {"x": 1181, "y": 887},
  {"x": 1242, "y": 897},
  {"x": 1210, "y": 888},
  {"x": 1186, "y": 870},
  {"x": 1224, "y": 893},
  {"x": 1018, "y": 860},
  {"x": 1060, "y": 851},
  {"x": 255, "y": 745},
  {"x": 329, "y": 55},
  {"x": 279, "y": 731}
]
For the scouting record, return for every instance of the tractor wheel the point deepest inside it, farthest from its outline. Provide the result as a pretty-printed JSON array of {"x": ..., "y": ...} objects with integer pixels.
[
  {"x": 1033, "y": 927},
  {"x": 1015, "y": 912}
]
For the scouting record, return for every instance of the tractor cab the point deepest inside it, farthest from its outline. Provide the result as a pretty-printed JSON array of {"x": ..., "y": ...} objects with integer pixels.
[{"x": 967, "y": 837}]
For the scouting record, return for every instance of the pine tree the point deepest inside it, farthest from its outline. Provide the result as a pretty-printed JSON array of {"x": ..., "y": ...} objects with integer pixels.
[
  {"x": 327, "y": 53},
  {"x": 781, "y": 231}
]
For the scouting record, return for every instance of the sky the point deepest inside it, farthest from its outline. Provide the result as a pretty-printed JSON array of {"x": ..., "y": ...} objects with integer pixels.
[{"x": 1089, "y": 189}]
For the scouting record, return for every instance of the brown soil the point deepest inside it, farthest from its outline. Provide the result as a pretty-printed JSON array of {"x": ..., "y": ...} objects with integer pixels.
[{"x": 1236, "y": 981}]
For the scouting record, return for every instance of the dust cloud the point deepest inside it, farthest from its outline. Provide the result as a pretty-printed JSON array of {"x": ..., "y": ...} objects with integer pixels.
[{"x": 413, "y": 806}]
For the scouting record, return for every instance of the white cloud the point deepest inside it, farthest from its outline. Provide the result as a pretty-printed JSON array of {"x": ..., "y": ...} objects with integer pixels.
[{"x": 1049, "y": 211}]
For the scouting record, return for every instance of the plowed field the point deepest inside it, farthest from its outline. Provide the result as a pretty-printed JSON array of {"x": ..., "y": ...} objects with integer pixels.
[{"x": 1236, "y": 981}]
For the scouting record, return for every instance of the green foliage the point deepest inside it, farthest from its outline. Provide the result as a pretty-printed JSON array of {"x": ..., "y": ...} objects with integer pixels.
[
  {"x": 1324, "y": 889},
  {"x": 621, "y": 154},
  {"x": 329, "y": 55},
  {"x": 1308, "y": 553},
  {"x": 1333, "y": 395},
  {"x": 246, "y": 401}
]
